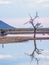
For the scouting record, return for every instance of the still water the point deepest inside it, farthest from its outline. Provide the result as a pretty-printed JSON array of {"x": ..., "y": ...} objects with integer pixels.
[{"x": 14, "y": 53}]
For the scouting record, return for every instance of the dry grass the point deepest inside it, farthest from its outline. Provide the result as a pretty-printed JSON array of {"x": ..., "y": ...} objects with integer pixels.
[
  {"x": 9, "y": 39},
  {"x": 14, "y": 39}
]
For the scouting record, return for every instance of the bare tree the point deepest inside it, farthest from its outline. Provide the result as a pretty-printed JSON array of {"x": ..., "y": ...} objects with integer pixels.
[{"x": 35, "y": 27}]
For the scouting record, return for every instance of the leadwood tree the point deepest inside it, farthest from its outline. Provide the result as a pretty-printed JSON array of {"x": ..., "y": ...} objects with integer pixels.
[{"x": 35, "y": 27}]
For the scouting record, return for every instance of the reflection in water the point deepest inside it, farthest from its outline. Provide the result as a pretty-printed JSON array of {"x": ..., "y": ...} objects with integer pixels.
[
  {"x": 2, "y": 45},
  {"x": 17, "y": 51}
]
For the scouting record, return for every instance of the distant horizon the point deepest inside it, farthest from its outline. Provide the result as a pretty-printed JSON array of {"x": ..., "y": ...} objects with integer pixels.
[{"x": 19, "y": 22}]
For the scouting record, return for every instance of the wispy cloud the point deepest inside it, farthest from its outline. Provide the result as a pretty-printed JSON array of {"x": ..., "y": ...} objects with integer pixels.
[
  {"x": 34, "y": 1},
  {"x": 5, "y": 2},
  {"x": 46, "y": 51},
  {"x": 45, "y": 63},
  {"x": 43, "y": 56},
  {"x": 5, "y": 56},
  {"x": 46, "y": 5},
  {"x": 27, "y": 63},
  {"x": 41, "y": 1},
  {"x": 34, "y": 63}
]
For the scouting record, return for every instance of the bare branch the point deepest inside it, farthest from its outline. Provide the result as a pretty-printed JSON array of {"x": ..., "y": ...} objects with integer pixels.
[
  {"x": 25, "y": 23},
  {"x": 37, "y": 60},
  {"x": 31, "y": 21},
  {"x": 38, "y": 25}
]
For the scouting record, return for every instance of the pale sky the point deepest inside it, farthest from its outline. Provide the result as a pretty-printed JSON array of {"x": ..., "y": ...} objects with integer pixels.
[
  {"x": 16, "y": 13},
  {"x": 21, "y": 8}
]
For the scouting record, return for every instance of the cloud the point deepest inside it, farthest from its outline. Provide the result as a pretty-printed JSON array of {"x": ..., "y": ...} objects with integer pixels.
[
  {"x": 5, "y": 56},
  {"x": 34, "y": 1},
  {"x": 34, "y": 63},
  {"x": 46, "y": 51},
  {"x": 41, "y": 1},
  {"x": 27, "y": 63},
  {"x": 5, "y": 2},
  {"x": 43, "y": 56},
  {"x": 45, "y": 63},
  {"x": 46, "y": 5}
]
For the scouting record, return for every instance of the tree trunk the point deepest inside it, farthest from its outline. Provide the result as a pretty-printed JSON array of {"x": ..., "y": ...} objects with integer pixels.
[{"x": 35, "y": 39}]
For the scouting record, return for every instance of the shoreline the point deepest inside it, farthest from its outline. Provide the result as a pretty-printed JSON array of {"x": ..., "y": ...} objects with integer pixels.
[{"x": 9, "y": 39}]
